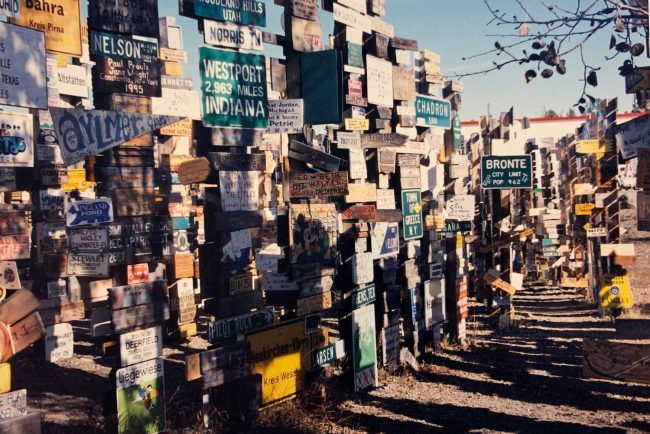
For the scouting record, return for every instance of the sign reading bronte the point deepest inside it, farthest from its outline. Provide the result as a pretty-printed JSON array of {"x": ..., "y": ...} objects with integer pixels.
[
  {"x": 507, "y": 172},
  {"x": 234, "y": 89},
  {"x": 432, "y": 112},
  {"x": 60, "y": 20},
  {"x": 248, "y": 12},
  {"x": 83, "y": 133},
  {"x": 130, "y": 17},
  {"x": 319, "y": 184},
  {"x": 25, "y": 82}
]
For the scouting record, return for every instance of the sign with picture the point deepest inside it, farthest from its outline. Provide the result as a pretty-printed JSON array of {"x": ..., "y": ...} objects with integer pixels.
[
  {"x": 286, "y": 116},
  {"x": 26, "y": 85},
  {"x": 413, "y": 227},
  {"x": 60, "y": 21},
  {"x": 234, "y": 89},
  {"x": 16, "y": 140},
  {"x": 87, "y": 264},
  {"x": 87, "y": 212},
  {"x": 364, "y": 348},
  {"x": 128, "y": 17},
  {"x": 59, "y": 342},
  {"x": 140, "y": 393},
  {"x": 9, "y": 277},
  {"x": 380, "y": 81},
  {"x": 140, "y": 345},
  {"x": 313, "y": 233}
]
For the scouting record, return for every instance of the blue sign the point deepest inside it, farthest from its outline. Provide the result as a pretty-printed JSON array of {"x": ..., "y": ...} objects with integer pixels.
[
  {"x": 385, "y": 239},
  {"x": 88, "y": 212},
  {"x": 432, "y": 112}
]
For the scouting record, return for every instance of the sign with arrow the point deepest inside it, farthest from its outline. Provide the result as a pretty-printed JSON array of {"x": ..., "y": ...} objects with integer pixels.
[{"x": 88, "y": 212}]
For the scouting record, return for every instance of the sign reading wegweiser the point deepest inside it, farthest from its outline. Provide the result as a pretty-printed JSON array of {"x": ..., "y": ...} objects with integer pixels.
[
  {"x": 248, "y": 12},
  {"x": 16, "y": 140},
  {"x": 87, "y": 212},
  {"x": 507, "y": 172},
  {"x": 286, "y": 116},
  {"x": 234, "y": 89},
  {"x": 84, "y": 133},
  {"x": 25, "y": 85}
]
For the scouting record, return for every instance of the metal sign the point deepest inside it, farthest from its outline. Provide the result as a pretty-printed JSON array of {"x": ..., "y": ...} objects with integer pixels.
[
  {"x": 615, "y": 292},
  {"x": 363, "y": 296},
  {"x": 88, "y": 239},
  {"x": 250, "y": 12},
  {"x": 122, "y": 46},
  {"x": 364, "y": 346},
  {"x": 385, "y": 239},
  {"x": 16, "y": 140},
  {"x": 135, "y": 77},
  {"x": 507, "y": 172},
  {"x": 228, "y": 327},
  {"x": 432, "y": 112},
  {"x": 59, "y": 342},
  {"x": 60, "y": 21},
  {"x": 141, "y": 345},
  {"x": 128, "y": 17},
  {"x": 87, "y": 264},
  {"x": 87, "y": 212},
  {"x": 231, "y": 35},
  {"x": 412, "y": 209},
  {"x": 26, "y": 86},
  {"x": 234, "y": 89}
]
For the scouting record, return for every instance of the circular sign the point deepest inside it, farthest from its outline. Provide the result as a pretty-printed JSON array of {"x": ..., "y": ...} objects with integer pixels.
[{"x": 615, "y": 290}]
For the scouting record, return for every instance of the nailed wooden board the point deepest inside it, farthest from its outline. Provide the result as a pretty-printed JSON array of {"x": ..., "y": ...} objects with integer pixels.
[
  {"x": 616, "y": 361},
  {"x": 320, "y": 159},
  {"x": 30, "y": 423},
  {"x": 194, "y": 171},
  {"x": 318, "y": 184},
  {"x": 142, "y": 315}
]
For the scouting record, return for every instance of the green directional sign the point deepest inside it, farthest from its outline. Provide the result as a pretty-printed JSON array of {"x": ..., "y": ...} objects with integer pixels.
[
  {"x": 234, "y": 89},
  {"x": 412, "y": 211},
  {"x": 432, "y": 112},
  {"x": 325, "y": 355},
  {"x": 458, "y": 138},
  {"x": 246, "y": 12},
  {"x": 363, "y": 296},
  {"x": 456, "y": 226},
  {"x": 507, "y": 172}
]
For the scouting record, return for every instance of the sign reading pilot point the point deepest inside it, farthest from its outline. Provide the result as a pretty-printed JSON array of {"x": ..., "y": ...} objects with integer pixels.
[
  {"x": 432, "y": 112},
  {"x": 412, "y": 210},
  {"x": 247, "y": 12},
  {"x": 234, "y": 89},
  {"x": 507, "y": 172}
]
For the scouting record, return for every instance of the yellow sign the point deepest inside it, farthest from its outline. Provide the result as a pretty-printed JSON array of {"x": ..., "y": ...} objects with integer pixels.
[
  {"x": 282, "y": 355},
  {"x": 587, "y": 227},
  {"x": 584, "y": 208},
  {"x": 573, "y": 282},
  {"x": 615, "y": 292},
  {"x": 594, "y": 146},
  {"x": 173, "y": 69},
  {"x": 59, "y": 20},
  {"x": 76, "y": 180},
  {"x": 357, "y": 124},
  {"x": 526, "y": 233},
  {"x": 180, "y": 128}
]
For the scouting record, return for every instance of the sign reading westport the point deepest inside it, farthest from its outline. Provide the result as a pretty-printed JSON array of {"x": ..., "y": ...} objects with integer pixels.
[
  {"x": 234, "y": 89},
  {"x": 507, "y": 172}
]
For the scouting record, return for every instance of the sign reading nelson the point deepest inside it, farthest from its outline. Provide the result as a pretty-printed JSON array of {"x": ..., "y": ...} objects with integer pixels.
[
  {"x": 234, "y": 89},
  {"x": 137, "y": 17}
]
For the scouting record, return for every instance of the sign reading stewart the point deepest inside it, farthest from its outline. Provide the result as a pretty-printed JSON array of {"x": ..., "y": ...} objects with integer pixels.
[
  {"x": 508, "y": 172},
  {"x": 432, "y": 112},
  {"x": 248, "y": 12},
  {"x": 234, "y": 89}
]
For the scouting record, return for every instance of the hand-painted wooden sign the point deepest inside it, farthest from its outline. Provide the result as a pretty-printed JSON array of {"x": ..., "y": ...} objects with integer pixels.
[
  {"x": 360, "y": 212},
  {"x": 113, "y": 177},
  {"x": 500, "y": 283},
  {"x": 234, "y": 89},
  {"x": 241, "y": 324},
  {"x": 364, "y": 348},
  {"x": 616, "y": 361},
  {"x": 88, "y": 239},
  {"x": 140, "y": 345},
  {"x": 87, "y": 264},
  {"x": 87, "y": 212},
  {"x": 16, "y": 140},
  {"x": 313, "y": 156},
  {"x": 232, "y": 35},
  {"x": 136, "y": 77},
  {"x": 139, "y": 316},
  {"x": 85, "y": 133},
  {"x": 352, "y": 18},
  {"x": 131, "y": 18},
  {"x": 361, "y": 193},
  {"x": 381, "y": 140},
  {"x": 194, "y": 171},
  {"x": 314, "y": 303},
  {"x": 27, "y": 86},
  {"x": 59, "y": 342},
  {"x": 137, "y": 294},
  {"x": 319, "y": 184},
  {"x": 140, "y": 391},
  {"x": 134, "y": 240}
]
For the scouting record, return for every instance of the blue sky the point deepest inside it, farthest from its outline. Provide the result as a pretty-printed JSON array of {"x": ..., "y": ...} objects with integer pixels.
[{"x": 457, "y": 29}]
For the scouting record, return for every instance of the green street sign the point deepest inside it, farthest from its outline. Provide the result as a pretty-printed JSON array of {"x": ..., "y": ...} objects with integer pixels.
[
  {"x": 507, "y": 172},
  {"x": 456, "y": 226},
  {"x": 432, "y": 112},
  {"x": 325, "y": 355},
  {"x": 412, "y": 210},
  {"x": 458, "y": 140},
  {"x": 363, "y": 296},
  {"x": 248, "y": 12},
  {"x": 234, "y": 89}
]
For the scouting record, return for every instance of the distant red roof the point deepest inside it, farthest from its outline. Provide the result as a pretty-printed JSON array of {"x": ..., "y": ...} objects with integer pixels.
[{"x": 563, "y": 118}]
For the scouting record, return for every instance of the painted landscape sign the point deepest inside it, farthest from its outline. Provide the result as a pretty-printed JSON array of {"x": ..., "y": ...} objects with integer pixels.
[
  {"x": 507, "y": 172},
  {"x": 141, "y": 398}
]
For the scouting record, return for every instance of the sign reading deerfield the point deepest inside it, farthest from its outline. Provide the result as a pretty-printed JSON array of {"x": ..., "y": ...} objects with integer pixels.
[
  {"x": 507, "y": 172},
  {"x": 248, "y": 12},
  {"x": 234, "y": 89}
]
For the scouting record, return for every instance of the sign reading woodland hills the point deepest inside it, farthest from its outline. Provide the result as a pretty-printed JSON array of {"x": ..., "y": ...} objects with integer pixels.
[
  {"x": 60, "y": 20},
  {"x": 234, "y": 89},
  {"x": 247, "y": 12},
  {"x": 130, "y": 17}
]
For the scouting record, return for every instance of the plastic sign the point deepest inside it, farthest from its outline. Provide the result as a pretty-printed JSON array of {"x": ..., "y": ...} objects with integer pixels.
[
  {"x": 507, "y": 172},
  {"x": 615, "y": 292},
  {"x": 432, "y": 112}
]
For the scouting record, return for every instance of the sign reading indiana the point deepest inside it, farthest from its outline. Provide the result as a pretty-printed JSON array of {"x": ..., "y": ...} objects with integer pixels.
[
  {"x": 234, "y": 89},
  {"x": 248, "y": 12},
  {"x": 432, "y": 112},
  {"x": 83, "y": 133}
]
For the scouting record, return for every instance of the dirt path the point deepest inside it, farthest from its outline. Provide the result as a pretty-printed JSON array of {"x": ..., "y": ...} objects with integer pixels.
[{"x": 526, "y": 379}]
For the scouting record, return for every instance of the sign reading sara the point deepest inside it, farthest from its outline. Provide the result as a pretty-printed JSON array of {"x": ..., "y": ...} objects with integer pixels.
[
  {"x": 412, "y": 210},
  {"x": 432, "y": 112},
  {"x": 141, "y": 397},
  {"x": 25, "y": 85},
  {"x": 249, "y": 12},
  {"x": 507, "y": 172},
  {"x": 60, "y": 20},
  {"x": 234, "y": 89}
]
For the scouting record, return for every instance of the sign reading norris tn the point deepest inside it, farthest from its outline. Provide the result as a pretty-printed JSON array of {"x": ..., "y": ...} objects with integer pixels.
[{"x": 507, "y": 172}]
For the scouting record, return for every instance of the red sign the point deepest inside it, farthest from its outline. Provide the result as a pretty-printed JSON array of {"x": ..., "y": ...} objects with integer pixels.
[
  {"x": 360, "y": 212},
  {"x": 355, "y": 88},
  {"x": 137, "y": 273}
]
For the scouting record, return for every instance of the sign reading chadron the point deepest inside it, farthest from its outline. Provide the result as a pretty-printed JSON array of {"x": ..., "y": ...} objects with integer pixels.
[
  {"x": 234, "y": 89},
  {"x": 432, "y": 112},
  {"x": 507, "y": 172}
]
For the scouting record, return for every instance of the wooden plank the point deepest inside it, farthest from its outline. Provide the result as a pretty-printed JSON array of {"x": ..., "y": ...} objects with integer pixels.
[
  {"x": 238, "y": 220},
  {"x": 228, "y": 327},
  {"x": 56, "y": 311},
  {"x": 25, "y": 332},
  {"x": 378, "y": 140},
  {"x": 307, "y": 154},
  {"x": 133, "y": 202},
  {"x": 404, "y": 44},
  {"x": 13, "y": 404},
  {"x": 194, "y": 171},
  {"x": 318, "y": 184},
  {"x": 237, "y": 162},
  {"x": 388, "y": 216},
  {"x": 136, "y": 316},
  {"x": 138, "y": 293},
  {"x": 361, "y": 193},
  {"x": 360, "y": 212},
  {"x": 19, "y": 305}
]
